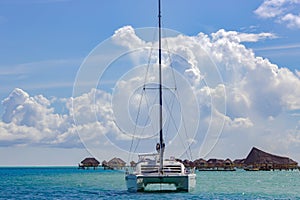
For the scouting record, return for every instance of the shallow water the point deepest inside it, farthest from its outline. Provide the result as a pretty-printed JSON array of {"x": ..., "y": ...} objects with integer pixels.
[{"x": 71, "y": 183}]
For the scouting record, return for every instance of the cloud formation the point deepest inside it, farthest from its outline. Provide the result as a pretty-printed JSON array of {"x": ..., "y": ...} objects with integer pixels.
[
  {"x": 32, "y": 121},
  {"x": 282, "y": 11},
  {"x": 244, "y": 101}
]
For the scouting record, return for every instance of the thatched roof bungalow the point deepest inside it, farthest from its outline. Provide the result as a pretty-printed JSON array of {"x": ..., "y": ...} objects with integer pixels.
[
  {"x": 228, "y": 163},
  {"x": 266, "y": 161},
  {"x": 89, "y": 162},
  {"x": 188, "y": 163},
  {"x": 215, "y": 163},
  {"x": 104, "y": 163},
  {"x": 132, "y": 164},
  {"x": 116, "y": 163},
  {"x": 239, "y": 163},
  {"x": 200, "y": 163}
]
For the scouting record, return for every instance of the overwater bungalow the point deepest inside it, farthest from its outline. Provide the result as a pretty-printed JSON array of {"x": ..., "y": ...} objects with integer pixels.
[
  {"x": 239, "y": 163},
  {"x": 228, "y": 165},
  {"x": 188, "y": 163},
  {"x": 132, "y": 164},
  {"x": 200, "y": 163},
  {"x": 214, "y": 165},
  {"x": 116, "y": 163},
  {"x": 89, "y": 162}
]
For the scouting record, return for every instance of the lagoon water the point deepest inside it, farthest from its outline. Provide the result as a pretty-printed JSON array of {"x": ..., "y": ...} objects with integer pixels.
[{"x": 72, "y": 183}]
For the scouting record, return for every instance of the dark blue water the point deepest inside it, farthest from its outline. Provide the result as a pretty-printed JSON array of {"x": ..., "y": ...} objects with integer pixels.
[{"x": 71, "y": 183}]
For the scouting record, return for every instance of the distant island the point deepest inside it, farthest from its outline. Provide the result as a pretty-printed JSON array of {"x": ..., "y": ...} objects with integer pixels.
[{"x": 255, "y": 161}]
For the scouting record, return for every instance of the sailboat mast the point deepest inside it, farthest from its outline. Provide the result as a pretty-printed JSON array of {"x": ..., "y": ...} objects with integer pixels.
[{"x": 161, "y": 140}]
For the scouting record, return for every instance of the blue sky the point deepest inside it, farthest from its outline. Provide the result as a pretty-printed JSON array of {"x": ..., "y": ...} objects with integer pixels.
[
  {"x": 44, "y": 42},
  {"x": 48, "y": 31}
]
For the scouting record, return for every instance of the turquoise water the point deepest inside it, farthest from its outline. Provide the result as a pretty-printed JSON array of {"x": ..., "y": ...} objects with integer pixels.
[{"x": 71, "y": 183}]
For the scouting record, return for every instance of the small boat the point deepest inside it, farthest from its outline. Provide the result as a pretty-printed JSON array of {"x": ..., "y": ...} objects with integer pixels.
[{"x": 152, "y": 169}]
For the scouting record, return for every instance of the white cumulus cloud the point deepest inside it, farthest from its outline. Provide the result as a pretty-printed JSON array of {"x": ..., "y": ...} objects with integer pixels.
[
  {"x": 282, "y": 11},
  {"x": 241, "y": 98},
  {"x": 293, "y": 21}
]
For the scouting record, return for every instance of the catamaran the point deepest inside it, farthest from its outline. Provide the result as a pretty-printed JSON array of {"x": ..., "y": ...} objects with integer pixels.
[{"x": 153, "y": 168}]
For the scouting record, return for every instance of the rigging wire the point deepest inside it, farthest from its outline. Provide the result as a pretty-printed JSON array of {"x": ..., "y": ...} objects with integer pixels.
[
  {"x": 139, "y": 107},
  {"x": 146, "y": 122},
  {"x": 171, "y": 102},
  {"x": 169, "y": 108},
  {"x": 135, "y": 126},
  {"x": 177, "y": 93}
]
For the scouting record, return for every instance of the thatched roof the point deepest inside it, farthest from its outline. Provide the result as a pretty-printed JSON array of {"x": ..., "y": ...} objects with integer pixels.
[
  {"x": 116, "y": 163},
  {"x": 239, "y": 161},
  {"x": 215, "y": 161},
  {"x": 188, "y": 163},
  {"x": 90, "y": 162},
  {"x": 200, "y": 160},
  {"x": 257, "y": 156},
  {"x": 228, "y": 161},
  {"x": 132, "y": 164},
  {"x": 104, "y": 163}
]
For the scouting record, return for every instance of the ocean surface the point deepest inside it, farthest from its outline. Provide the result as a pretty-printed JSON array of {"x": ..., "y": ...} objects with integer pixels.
[{"x": 72, "y": 183}]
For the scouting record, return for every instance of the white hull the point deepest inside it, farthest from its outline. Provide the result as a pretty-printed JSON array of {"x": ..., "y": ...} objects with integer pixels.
[
  {"x": 138, "y": 183},
  {"x": 147, "y": 173}
]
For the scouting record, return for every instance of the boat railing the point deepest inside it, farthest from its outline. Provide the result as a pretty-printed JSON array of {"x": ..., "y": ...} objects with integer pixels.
[
  {"x": 168, "y": 169},
  {"x": 172, "y": 169},
  {"x": 148, "y": 156},
  {"x": 146, "y": 169}
]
